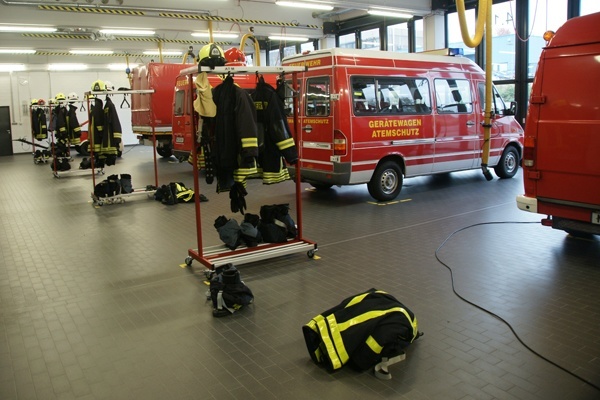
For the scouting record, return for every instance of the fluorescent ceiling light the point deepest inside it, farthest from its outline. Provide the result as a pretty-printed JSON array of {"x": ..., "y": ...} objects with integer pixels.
[
  {"x": 91, "y": 51},
  {"x": 13, "y": 28},
  {"x": 133, "y": 32},
  {"x": 12, "y": 67},
  {"x": 222, "y": 35},
  {"x": 309, "y": 5},
  {"x": 164, "y": 53},
  {"x": 121, "y": 67},
  {"x": 17, "y": 51},
  {"x": 389, "y": 13},
  {"x": 289, "y": 38},
  {"x": 67, "y": 67}
]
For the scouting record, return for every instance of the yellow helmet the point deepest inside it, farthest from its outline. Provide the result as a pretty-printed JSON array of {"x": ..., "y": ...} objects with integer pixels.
[
  {"x": 59, "y": 97},
  {"x": 98, "y": 86},
  {"x": 34, "y": 102},
  {"x": 211, "y": 55}
]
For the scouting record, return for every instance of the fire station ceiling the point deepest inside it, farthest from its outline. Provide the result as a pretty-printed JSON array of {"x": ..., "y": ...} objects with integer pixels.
[{"x": 80, "y": 25}]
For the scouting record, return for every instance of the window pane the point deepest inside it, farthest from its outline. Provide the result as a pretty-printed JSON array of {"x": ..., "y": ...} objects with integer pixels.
[
  {"x": 179, "y": 102},
  {"x": 419, "y": 35},
  {"x": 503, "y": 41},
  {"x": 363, "y": 95},
  {"x": 347, "y": 41},
  {"x": 397, "y": 36},
  {"x": 545, "y": 19},
  {"x": 308, "y": 46},
  {"x": 390, "y": 95},
  {"x": 370, "y": 39},
  {"x": 453, "y": 96},
  {"x": 274, "y": 58},
  {"x": 454, "y": 36},
  {"x": 289, "y": 51},
  {"x": 589, "y": 7},
  {"x": 317, "y": 97}
]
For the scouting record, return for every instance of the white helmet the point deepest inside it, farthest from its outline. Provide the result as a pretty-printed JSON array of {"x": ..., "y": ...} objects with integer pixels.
[
  {"x": 109, "y": 86},
  {"x": 72, "y": 96}
]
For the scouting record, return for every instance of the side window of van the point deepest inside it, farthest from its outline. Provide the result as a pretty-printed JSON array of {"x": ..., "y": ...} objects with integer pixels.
[
  {"x": 453, "y": 96},
  {"x": 498, "y": 105},
  {"x": 317, "y": 97},
  {"x": 288, "y": 100},
  {"x": 179, "y": 102},
  {"x": 381, "y": 95}
]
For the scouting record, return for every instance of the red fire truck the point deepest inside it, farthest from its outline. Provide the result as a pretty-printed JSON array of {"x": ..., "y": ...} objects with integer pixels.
[
  {"x": 148, "y": 111},
  {"x": 375, "y": 117},
  {"x": 561, "y": 165}
]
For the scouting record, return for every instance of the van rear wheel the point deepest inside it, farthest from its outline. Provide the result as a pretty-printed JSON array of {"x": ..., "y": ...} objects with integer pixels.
[
  {"x": 386, "y": 183},
  {"x": 508, "y": 165}
]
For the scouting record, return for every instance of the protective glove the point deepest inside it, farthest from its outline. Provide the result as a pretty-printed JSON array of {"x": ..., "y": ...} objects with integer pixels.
[{"x": 236, "y": 195}]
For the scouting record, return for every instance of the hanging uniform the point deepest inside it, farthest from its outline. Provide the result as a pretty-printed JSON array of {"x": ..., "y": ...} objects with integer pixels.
[
  {"x": 234, "y": 135},
  {"x": 73, "y": 127},
  {"x": 111, "y": 136},
  {"x": 361, "y": 330},
  {"x": 60, "y": 113},
  {"x": 38, "y": 123},
  {"x": 273, "y": 128}
]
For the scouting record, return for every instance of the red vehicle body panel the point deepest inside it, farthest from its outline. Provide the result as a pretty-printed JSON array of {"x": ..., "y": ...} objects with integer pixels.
[{"x": 562, "y": 134}]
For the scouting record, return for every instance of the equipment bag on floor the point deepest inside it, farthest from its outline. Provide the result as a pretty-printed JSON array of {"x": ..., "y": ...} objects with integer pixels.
[
  {"x": 227, "y": 291},
  {"x": 362, "y": 331}
]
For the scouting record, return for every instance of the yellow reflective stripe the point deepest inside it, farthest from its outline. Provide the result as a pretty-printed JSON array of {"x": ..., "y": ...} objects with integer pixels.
[
  {"x": 356, "y": 300},
  {"x": 337, "y": 339},
  {"x": 373, "y": 345},
  {"x": 284, "y": 144},
  {"x": 249, "y": 142},
  {"x": 374, "y": 314},
  {"x": 330, "y": 349}
]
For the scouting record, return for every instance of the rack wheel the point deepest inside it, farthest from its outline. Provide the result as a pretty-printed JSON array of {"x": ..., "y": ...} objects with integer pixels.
[
  {"x": 188, "y": 261},
  {"x": 310, "y": 253}
]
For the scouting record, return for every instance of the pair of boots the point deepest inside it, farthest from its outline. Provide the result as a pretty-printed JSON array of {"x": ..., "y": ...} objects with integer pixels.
[{"x": 120, "y": 186}]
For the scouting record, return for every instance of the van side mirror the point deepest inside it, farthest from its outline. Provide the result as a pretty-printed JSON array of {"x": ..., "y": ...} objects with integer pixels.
[{"x": 512, "y": 110}]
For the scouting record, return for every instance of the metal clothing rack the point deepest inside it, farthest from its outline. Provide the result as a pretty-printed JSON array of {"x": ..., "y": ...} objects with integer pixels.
[
  {"x": 215, "y": 256},
  {"x": 120, "y": 198},
  {"x": 33, "y": 139}
]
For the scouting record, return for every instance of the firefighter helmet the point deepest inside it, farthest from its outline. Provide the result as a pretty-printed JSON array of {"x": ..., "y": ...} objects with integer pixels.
[
  {"x": 234, "y": 55},
  {"x": 211, "y": 55},
  {"x": 73, "y": 96},
  {"x": 59, "y": 96},
  {"x": 98, "y": 86},
  {"x": 34, "y": 102},
  {"x": 41, "y": 102}
]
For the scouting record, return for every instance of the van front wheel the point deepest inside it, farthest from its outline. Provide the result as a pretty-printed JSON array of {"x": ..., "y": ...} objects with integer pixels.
[
  {"x": 508, "y": 165},
  {"x": 386, "y": 183}
]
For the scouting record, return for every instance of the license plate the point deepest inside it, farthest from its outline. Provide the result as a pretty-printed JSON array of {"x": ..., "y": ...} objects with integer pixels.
[
  {"x": 179, "y": 140},
  {"x": 596, "y": 217}
]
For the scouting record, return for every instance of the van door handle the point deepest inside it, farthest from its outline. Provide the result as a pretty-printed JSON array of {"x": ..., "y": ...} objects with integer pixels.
[
  {"x": 470, "y": 123},
  {"x": 307, "y": 128}
]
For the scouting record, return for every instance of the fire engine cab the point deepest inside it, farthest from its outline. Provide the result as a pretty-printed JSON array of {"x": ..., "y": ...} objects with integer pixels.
[
  {"x": 561, "y": 164},
  {"x": 376, "y": 117}
]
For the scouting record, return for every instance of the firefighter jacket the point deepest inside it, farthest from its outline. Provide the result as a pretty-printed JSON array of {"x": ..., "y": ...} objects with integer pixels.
[
  {"x": 73, "y": 127},
  {"x": 60, "y": 115},
  {"x": 38, "y": 123},
  {"x": 111, "y": 138},
  {"x": 234, "y": 135},
  {"x": 361, "y": 330},
  {"x": 273, "y": 129},
  {"x": 96, "y": 125}
]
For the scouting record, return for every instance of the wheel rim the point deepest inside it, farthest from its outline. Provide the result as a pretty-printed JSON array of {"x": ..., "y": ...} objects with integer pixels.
[
  {"x": 510, "y": 162},
  {"x": 389, "y": 181}
]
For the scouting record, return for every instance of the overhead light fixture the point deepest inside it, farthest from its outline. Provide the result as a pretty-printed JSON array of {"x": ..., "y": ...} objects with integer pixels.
[
  {"x": 221, "y": 35},
  {"x": 128, "y": 32},
  {"x": 121, "y": 67},
  {"x": 289, "y": 38},
  {"x": 17, "y": 51},
  {"x": 164, "y": 53},
  {"x": 25, "y": 28},
  {"x": 308, "y": 5},
  {"x": 12, "y": 67},
  {"x": 91, "y": 52},
  {"x": 67, "y": 67},
  {"x": 389, "y": 13}
]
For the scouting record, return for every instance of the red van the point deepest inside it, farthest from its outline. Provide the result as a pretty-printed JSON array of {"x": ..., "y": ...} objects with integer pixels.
[
  {"x": 376, "y": 117},
  {"x": 561, "y": 164}
]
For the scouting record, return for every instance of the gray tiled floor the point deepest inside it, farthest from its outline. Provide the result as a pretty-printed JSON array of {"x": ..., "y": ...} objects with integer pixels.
[{"x": 94, "y": 303}]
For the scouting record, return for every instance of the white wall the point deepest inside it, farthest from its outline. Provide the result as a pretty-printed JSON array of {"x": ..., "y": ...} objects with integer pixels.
[{"x": 18, "y": 88}]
